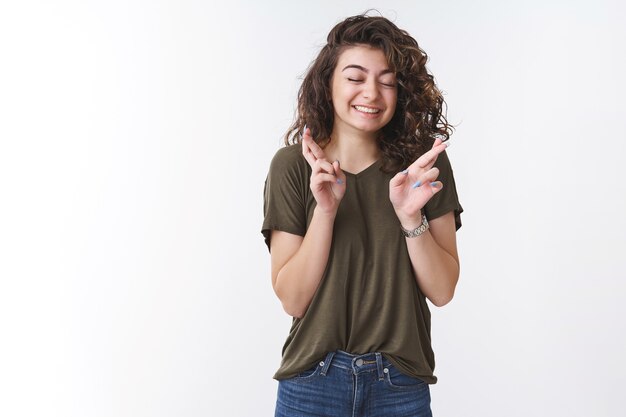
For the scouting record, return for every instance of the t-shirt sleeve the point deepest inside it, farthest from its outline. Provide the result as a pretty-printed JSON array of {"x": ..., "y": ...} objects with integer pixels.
[
  {"x": 446, "y": 199},
  {"x": 285, "y": 194}
]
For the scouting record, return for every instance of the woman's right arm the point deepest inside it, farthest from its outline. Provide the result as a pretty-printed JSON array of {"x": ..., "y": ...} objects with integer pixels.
[{"x": 298, "y": 263}]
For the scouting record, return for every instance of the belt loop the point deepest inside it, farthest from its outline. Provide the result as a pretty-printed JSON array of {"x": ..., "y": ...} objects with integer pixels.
[
  {"x": 327, "y": 361},
  {"x": 379, "y": 365}
]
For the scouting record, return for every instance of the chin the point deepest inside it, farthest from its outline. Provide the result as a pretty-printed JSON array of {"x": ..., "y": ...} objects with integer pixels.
[{"x": 369, "y": 128}]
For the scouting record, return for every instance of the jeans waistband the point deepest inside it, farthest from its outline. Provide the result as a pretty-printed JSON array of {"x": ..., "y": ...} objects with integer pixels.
[{"x": 367, "y": 362}]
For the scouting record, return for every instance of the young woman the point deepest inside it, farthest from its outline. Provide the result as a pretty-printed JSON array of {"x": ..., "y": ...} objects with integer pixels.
[{"x": 361, "y": 212}]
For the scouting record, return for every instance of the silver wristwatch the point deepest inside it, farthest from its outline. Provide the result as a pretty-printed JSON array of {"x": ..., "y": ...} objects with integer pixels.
[{"x": 418, "y": 230}]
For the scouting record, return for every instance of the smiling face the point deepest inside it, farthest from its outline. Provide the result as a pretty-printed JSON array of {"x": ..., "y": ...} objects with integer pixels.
[{"x": 364, "y": 90}]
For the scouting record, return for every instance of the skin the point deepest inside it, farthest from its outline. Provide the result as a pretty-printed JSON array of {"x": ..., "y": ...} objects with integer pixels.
[{"x": 362, "y": 81}]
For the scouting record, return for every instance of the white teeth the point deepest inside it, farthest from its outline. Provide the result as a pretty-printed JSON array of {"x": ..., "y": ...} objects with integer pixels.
[{"x": 366, "y": 109}]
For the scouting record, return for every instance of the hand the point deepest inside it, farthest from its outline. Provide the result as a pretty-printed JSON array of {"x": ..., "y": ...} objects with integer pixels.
[
  {"x": 328, "y": 182},
  {"x": 411, "y": 189}
]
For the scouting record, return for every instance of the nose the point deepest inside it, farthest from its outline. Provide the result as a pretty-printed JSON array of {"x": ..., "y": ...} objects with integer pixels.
[{"x": 370, "y": 89}]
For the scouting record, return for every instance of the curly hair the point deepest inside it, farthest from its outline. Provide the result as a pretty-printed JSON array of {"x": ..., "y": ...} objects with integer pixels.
[{"x": 418, "y": 119}]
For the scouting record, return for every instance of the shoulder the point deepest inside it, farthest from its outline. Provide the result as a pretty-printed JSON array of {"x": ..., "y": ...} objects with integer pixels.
[
  {"x": 445, "y": 167},
  {"x": 289, "y": 159},
  {"x": 443, "y": 162}
]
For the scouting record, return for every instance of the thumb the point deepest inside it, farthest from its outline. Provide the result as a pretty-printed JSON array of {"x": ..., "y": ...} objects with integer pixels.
[
  {"x": 399, "y": 179},
  {"x": 339, "y": 173}
]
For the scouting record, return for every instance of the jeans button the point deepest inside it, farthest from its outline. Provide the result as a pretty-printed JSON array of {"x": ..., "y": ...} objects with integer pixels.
[{"x": 359, "y": 362}]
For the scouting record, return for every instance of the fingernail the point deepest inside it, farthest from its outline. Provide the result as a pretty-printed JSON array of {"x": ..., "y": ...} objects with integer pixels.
[
  {"x": 339, "y": 181},
  {"x": 417, "y": 184},
  {"x": 434, "y": 184},
  {"x": 405, "y": 172},
  {"x": 447, "y": 143},
  {"x": 304, "y": 130}
]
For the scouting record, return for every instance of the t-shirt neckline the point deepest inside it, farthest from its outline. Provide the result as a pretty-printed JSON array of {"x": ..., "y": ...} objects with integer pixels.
[{"x": 364, "y": 171}]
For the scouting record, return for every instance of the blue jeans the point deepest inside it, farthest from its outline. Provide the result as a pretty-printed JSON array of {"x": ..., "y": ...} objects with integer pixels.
[{"x": 346, "y": 385}]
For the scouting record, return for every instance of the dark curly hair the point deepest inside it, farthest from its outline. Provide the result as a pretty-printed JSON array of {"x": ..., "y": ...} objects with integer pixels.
[{"x": 418, "y": 118}]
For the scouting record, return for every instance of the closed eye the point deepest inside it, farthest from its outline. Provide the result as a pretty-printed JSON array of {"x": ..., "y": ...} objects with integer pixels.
[{"x": 354, "y": 80}]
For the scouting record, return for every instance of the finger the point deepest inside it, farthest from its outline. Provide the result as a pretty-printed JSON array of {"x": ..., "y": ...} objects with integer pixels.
[
  {"x": 436, "y": 186},
  {"x": 440, "y": 141},
  {"x": 399, "y": 179},
  {"x": 431, "y": 155},
  {"x": 322, "y": 178},
  {"x": 308, "y": 155},
  {"x": 322, "y": 165},
  {"x": 427, "y": 177},
  {"x": 341, "y": 177},
  {"x": 427, "y": 160},
  {"x": 432, "y": 187},
  {"x": 311, "y": 150},
  {"x": 430, "y": 175},
  {"x": 317, "y": 151}
]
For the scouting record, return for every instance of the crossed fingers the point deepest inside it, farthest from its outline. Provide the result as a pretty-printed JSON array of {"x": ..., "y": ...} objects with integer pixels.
[
  {"x": 316, "y": 158},
  {"x": 311, "y": 150},
  {"x": 426, "y": 161}
]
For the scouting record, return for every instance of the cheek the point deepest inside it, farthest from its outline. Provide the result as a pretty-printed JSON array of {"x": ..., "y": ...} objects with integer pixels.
[
  {"x": 392, "y": 99},
  {"x": 345, "y": 99}
]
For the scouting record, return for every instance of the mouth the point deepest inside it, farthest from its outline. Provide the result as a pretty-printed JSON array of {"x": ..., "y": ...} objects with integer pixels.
[{"x": 365, "y": 109}]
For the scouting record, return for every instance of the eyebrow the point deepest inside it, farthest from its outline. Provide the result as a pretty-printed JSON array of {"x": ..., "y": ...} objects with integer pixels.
[{"x": 387, "y": 71}]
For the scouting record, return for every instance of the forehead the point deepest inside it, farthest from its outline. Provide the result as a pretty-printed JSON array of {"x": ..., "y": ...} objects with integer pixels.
[{"x": 364, "y": 56}]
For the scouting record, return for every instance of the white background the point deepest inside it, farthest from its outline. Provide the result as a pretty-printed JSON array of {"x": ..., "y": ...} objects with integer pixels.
[{"x": 135, "y": 140}]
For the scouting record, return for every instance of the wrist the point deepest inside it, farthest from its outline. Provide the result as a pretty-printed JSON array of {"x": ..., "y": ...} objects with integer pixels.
[
  {"x": 329, "y": 214},
  {"x": 410, "y": 221},
  {"x": 416, "y": 231}
]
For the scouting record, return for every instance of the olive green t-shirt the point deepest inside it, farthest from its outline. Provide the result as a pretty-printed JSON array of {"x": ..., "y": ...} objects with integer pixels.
[{"x": 368, "y": 299}]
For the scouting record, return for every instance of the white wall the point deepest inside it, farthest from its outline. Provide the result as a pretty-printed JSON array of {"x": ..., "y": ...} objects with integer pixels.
[{"x": 134, "y": 141}]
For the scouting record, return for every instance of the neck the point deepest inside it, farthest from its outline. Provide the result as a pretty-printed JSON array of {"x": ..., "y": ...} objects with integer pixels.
[{"x": 354, "y": 150}]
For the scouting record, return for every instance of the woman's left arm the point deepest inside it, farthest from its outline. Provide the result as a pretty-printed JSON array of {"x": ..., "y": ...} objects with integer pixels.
[
  {"x": 435, "y": 259},
  {"x": 433, "y": 253}
]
